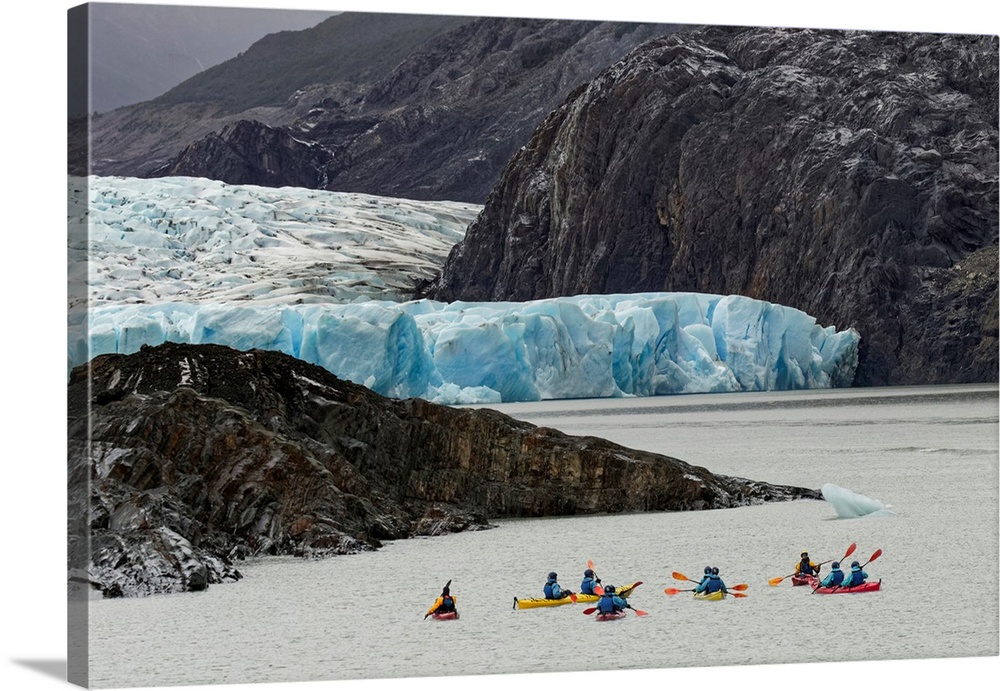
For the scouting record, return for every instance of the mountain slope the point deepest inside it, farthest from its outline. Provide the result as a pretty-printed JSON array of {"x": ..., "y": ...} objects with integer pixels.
[
  {"x": 440, "y": 126},
  {"x": 352, "y": 47},
  {"x": 852, "y": 175}
]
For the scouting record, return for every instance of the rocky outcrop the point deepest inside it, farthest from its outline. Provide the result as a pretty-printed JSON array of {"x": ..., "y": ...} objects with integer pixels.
[
  {"x": 252, "y": 151},
  {"x": 185, "y": 458},
  {"x": 440, "y": 126},
  {"x": 848, "y": 174}
]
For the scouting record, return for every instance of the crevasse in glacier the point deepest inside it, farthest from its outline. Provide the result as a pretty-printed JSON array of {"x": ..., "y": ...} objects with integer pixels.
[{"x": 573, "y": 347}]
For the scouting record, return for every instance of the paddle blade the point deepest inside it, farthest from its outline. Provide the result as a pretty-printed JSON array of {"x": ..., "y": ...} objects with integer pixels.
[
  {"x": 590, "y": 564},
  {"x": 598, "y": 590},
  {"x": 680, "y": 577},
  {"x": 876, "y": 555},
  {"x": 738, "y": 594},
  {"x": 776, "y": 581},
  {"x": 590, "y": 610},
  {"x": 639, "y": 612},
  {"x": 572, "y": 596},
  {"x": 850, "y": 550},
  {"x": 671, "y": 591},
  {"x": 741, "y": 586}
]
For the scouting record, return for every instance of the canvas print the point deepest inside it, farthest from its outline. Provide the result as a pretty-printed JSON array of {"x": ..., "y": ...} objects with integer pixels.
[{"x": 391, "y": 335}]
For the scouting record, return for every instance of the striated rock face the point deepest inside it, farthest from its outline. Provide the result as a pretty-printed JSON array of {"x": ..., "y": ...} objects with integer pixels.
[
  {"x": 440, "y": 126},
  {"x": 199, "y": 455},
  {"x": 848, "y": 174},
  {"x": 250, "y": 150}
]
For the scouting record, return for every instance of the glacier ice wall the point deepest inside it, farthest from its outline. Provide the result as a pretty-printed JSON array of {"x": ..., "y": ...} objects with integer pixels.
[
  {"x": 849, "y": 504},
  {"x": 574, "y": 347}
]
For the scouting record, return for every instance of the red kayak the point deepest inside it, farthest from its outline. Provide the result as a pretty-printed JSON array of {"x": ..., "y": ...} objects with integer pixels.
[
  {"x": 611, "y": 616},
  {"x": 445, "y": 616},
  {"x": 869, "y": 587}
]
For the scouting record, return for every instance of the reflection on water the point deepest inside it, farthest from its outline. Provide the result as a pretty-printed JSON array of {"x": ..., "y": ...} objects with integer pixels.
[{"x": 930, "y": 452}]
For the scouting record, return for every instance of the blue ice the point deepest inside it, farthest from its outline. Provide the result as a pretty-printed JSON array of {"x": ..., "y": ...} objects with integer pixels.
[{"x": 587, "y": 346}]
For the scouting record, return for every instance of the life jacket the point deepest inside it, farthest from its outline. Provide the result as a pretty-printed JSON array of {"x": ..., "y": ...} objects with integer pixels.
[
  {"x": 447, "y": 604},
  {"x": 548, "y": 590},
  {"x": 805, "y": 568},
  {"x": 714, "y": 584},
  {"x": 836, "y": 577},
  {"x": 587, "y": 587},
  {"x": 606, "y": 604},
  {"x": 855, "y": 577}
]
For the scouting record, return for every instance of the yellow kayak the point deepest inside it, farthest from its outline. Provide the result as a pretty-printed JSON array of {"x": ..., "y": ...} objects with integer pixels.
[
  {"x": 533, "y": 602},
  {"x": 717, "y": 595}
]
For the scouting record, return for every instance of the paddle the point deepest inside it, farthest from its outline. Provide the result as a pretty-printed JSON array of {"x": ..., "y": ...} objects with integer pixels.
[
  {"x": 681, "y": 577},
  {"x": 638, "y": 612},
  {"x": 674, "y": 591},
  {"x": 849, "y": 552},
  {"x": 448, "y": 585},
  {"x": 875, "y": 555}
]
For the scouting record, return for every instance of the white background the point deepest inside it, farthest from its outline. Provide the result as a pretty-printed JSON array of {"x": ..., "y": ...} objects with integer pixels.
[{"x": 32, "y": 378}]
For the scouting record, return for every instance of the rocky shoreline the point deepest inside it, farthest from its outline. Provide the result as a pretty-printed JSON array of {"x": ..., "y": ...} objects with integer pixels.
[{"x": 186, "y": 458}]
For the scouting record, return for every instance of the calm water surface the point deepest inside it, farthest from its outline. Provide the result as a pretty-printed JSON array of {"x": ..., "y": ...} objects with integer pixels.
[{"x": 931, "y": 453}]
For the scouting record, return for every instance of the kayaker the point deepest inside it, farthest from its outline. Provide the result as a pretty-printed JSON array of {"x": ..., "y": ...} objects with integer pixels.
[
  {"x": 715, "y": 583},
  {"x": 855, "y": 578},
  {"x": 704, "y": 580},
  {"x": 589, "y": 581},
  {"x": 834, "y": 578},
  {"x": 552, "y": 590},
  {"x": 610, "y": 602},
  {"x": 445, "y": 603},
  {"x": 806, "y": 567}
]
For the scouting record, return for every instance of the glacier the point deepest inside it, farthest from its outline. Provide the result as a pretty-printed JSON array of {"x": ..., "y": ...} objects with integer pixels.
[
  {"x": 587, "y": 346},
  {"x": 850, "y": 504},
  {"x": 326, "y": 277}
]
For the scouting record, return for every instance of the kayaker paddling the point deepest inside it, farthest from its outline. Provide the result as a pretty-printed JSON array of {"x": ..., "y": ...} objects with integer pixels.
[
  {"x": 445, "y": 604},
  {"x": 551, "y": 589},
  {"x": 611, "y": 602},
  {"x": 714, "y": 583},
  {"x": 806, "y": 567},
  {"x": 834, "y": 578},
  {"x": 855, "y": 578},
  {"x": 590, "y": 581}
]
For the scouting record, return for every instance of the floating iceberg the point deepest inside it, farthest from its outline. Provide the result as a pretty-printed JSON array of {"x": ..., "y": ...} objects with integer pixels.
[
  {"x": 848, "y": 504},
  {"x": 587, "y": 346}
]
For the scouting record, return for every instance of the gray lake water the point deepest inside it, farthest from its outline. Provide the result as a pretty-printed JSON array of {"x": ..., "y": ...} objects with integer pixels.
[{"x": 929, "y": 452}]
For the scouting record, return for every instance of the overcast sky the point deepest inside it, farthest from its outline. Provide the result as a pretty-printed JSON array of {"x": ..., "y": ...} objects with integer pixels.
[{"x": 138, "y": 52}]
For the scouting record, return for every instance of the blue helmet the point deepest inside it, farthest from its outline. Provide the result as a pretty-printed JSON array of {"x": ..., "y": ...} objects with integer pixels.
[
  {"x": 589, "y": 573},
  {"x": 552, "y": 575},
  {"x": 836, "y": 565},
  {"x": 715, "y": 570},
  {"x": 609, "y": 589},
  {"x": 854, "y": 563}
]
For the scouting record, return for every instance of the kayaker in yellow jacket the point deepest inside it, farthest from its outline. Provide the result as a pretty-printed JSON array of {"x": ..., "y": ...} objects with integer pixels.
[
  {"x": 806, "y": 567},
  {"x": 445, "y": 603}
]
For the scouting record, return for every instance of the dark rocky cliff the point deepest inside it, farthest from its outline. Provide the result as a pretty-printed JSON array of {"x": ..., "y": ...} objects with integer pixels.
[
  {"x": 852, "y": 175},
  {"x": 201, "y": 454},
  {"x": 440, "y": 126}
]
